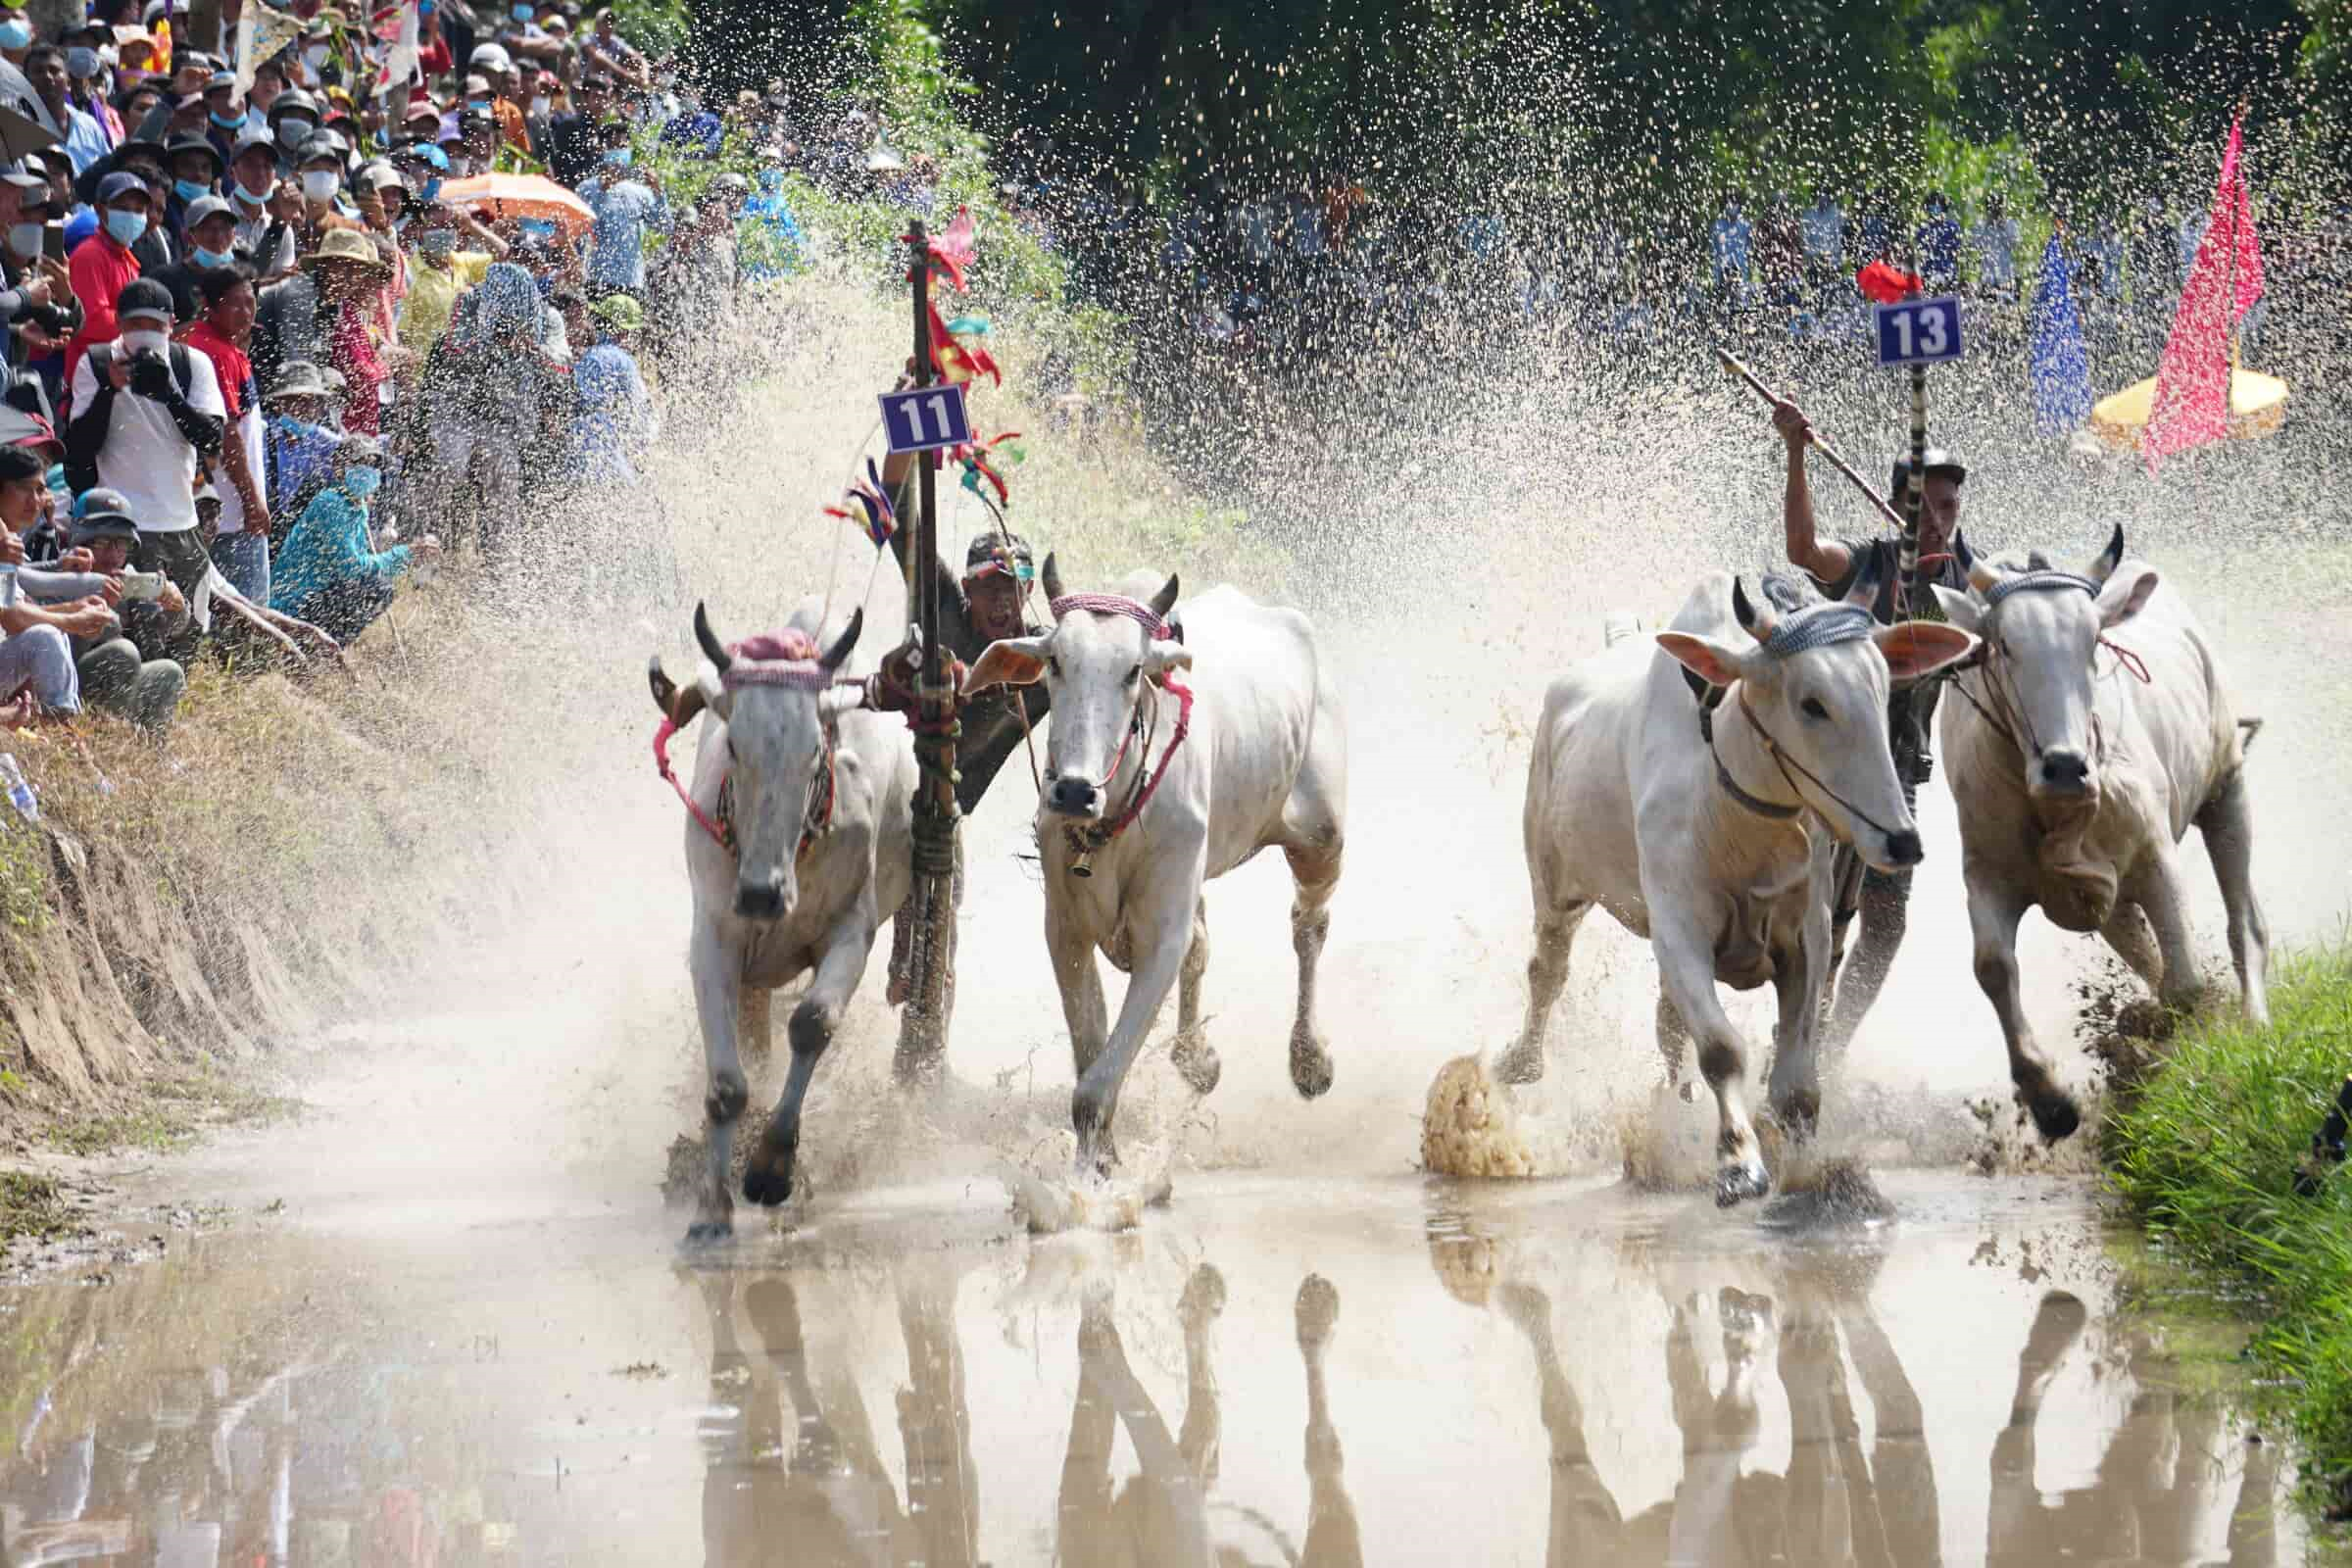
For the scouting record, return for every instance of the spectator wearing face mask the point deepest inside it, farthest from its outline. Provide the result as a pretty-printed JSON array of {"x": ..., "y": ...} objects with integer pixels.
[
  {"x": 211, "y": 242},
  {"x": 145, "y": 410},
  {"x": 36, "y": 300},
  {"x": 350, "y": 278},
  {"x": 126, "y": 668},
  {"x": 627, "y": 207},
  {"x": 440, "y": 269},
  {"x": 293, "y": 119},
  {"x": 330, "y": 572},
  {"x": 225, "y": 113},
  {"x": 298, "y": 450},
  {"x": 264, "y": 208},
  {"x": 241, "y": 544},
  {"x": 37, "y": 675},
  {"x": 196, "y": 168},
  {"x": 102, "y": 264}
]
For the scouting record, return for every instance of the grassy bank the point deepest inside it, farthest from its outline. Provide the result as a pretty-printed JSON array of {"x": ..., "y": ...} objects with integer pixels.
[{"x": 2206, "y": 1149}]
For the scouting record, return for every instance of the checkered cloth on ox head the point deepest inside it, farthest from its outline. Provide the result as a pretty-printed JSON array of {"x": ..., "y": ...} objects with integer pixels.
[
  {"x": 775, "y": 659},
  {"x": 2021, "y": 581},
  {"x": 1817, "y": 626}
]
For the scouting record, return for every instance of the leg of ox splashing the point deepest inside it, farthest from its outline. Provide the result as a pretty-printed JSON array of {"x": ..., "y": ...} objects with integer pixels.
[
  {"x": 1992, "y": 915},
  {"x": 717, "y": 986},
  {"x": 2229, "y": 829},
  {"x": 2165, "y": 899},
  {"x": 1797, "y": 976},
  {"x": 768, "y": 1175},
  {"x": 1160, "y": 926},
  {"x": 1685, "y": 955},
  {"x": 1314, "y": 844},
  {"x": 1547, "y": 977},
  {"x": 1193, "y": 1055}
]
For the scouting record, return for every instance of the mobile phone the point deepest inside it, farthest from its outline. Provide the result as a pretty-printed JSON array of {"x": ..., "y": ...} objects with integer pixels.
[
  {"x": 53, "y": 239},
  {"x": 144, "y": 587}
]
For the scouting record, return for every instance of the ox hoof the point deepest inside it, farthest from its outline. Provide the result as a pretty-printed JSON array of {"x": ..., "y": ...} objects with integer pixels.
[
  {"x": 1310, "y": 1067},
  {"x": 1204, "y": 1298},
  {"x": 1521, "y": 1064},
  {"x": 1734, "y": 1182},
  {"x": 1317, "y": 1311},
  {"x": 708, "y": 1232},
  {"x": 768, "y": 1176},
  {"x": 2055, "y": 1114},
  {"x": 1196, "y": 1061}
]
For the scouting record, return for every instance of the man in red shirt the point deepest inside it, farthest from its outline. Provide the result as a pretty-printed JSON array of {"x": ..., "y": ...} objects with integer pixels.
[
  {"x": 241, "y": 549},
  {"x": 102, "y": 264}
]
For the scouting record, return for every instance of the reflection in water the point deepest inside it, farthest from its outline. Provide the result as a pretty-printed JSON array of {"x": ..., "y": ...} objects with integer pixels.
[{"x": 1690, "y": 1396}]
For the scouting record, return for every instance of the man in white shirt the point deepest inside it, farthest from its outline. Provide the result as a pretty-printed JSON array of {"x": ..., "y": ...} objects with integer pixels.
[{"x": 143, "y": 409}]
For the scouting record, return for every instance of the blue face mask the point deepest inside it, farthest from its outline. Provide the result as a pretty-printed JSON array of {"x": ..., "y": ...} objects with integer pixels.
[
  {"x": 521, "y": 12},
  {"x": 205, "y": 258},
  {"x": 190, "y": 190},
  {"x": 125, "y": 228},
  {"x": 432, "y": 188},
  {"x": 621, "y": 157},
  {"x": 362, "y": 483},
  {"x": 227, "y": 123},
  {"x": 17, "y": 34}
]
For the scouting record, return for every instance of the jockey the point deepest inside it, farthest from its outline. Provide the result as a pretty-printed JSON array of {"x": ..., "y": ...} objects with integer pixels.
[{"x": 1880, "y": 897}]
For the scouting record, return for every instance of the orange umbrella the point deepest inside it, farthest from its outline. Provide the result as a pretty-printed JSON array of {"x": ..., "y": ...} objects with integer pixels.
[{"x": 496, "y": 196}]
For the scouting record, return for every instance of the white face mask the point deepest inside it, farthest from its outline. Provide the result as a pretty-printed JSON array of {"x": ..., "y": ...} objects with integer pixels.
[
  {"x": 321, "y": 185},
  {"x": 538, "y": 109},
  {"x": 145, "y": 342}
]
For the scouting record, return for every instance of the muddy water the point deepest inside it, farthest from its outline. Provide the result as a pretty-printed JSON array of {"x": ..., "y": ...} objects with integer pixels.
[{"x": 1273, "y": 1370}]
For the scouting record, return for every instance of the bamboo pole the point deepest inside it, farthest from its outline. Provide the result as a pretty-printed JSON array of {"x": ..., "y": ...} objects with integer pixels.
[
  {"x": 1732, "y": 363},
  {"x": 923, "y": 1027}
]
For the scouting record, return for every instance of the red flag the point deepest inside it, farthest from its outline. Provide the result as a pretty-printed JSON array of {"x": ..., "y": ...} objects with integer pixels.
[
  {"x": 2192, "y": 384},
  {"x": 1888, "y": 285}
]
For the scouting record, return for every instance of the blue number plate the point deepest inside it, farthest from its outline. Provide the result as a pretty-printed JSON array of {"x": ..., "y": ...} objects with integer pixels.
[
  {"x": 1919, "y": 331},
  {"x": 926, "y": 419}
]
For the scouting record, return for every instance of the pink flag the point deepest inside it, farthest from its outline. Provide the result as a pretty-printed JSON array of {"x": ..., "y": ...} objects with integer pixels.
[{"x": 2192, "y": 384}]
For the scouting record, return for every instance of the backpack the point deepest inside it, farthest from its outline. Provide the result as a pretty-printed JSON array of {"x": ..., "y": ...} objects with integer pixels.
[{"x": 84, "y": 475}]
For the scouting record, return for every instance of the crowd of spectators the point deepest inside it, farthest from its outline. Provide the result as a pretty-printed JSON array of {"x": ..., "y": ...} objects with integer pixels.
[{"x": 281, "y": 325}]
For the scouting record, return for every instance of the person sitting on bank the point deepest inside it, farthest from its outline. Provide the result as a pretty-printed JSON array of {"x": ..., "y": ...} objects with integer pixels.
[
  {"x": 128, "y": 671},
  {"x": 329, "y": 572}
]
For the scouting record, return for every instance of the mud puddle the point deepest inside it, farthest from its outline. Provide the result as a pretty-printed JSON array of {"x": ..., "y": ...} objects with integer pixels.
[{"x": 1274, "y": 1370}]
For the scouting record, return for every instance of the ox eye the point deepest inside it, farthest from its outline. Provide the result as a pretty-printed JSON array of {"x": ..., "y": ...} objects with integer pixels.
[
  {"x": 1053, "y": 665},
  {"x": 1812, "y": 709}
]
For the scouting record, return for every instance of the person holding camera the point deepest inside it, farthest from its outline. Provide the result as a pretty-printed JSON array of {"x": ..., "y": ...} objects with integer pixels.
[
  {"x": 126, "y": 670},
  {"x": 37, "y": 300},
  {"x": 145, "y": 411}
]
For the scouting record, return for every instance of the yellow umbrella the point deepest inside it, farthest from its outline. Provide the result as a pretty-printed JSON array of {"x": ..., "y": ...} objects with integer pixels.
[{"x": 2257, "y": 408}]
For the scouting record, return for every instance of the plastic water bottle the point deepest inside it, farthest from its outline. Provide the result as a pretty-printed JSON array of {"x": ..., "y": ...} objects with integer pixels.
[{"x": 19, "y": 787}]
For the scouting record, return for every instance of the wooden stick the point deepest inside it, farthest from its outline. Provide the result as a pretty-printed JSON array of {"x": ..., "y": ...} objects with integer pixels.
[{"x": 1731, "y": 362}]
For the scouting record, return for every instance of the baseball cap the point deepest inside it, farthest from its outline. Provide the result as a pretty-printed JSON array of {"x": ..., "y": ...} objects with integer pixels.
[
  {"x": 121, "y": 182},
  {"x": 1941, "y": 464},
  {"x": 143, "y": 296},
  {"x": 491, "y": 54},
  {"x": 997, "y": 551},
  {"x": 101, "y": 505},
  {"x": 204, "y": 206}
]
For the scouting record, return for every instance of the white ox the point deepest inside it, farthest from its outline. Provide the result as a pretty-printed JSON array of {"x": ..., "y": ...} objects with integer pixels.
[
  {"x": 819, "y": 797},
  {"x": 1264, "y": 764},
  {"x": 1714, "y": 849},
  {"x": 2075, "y": 784}
]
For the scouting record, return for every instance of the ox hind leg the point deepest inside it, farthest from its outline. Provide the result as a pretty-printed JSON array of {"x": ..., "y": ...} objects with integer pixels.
[
  {"x": 1686, "y": 955},
  {"x": 1193, "y": 1055},
  {"x": 1547, "y": 977},
  {"x": 2227, "y": 824},
  {"x": 1314, "y": 840},
  {"x": 1992, "y": 915},
  {"x": 768, "y": 1175}
]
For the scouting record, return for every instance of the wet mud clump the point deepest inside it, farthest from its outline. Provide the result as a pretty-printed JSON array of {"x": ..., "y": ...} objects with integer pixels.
[{"x": 1467, "y": 1127}]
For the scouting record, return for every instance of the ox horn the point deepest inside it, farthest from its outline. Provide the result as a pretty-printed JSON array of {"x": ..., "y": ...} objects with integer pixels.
[
  {"x": 1051, "y": 578},
  {"x": 833, "y": 658},
  {"x": 713, "y": 649},
  {"x": 679, "y": 704},
  {"x": 1166, "y": 599},
  {"x": 2110, "y": 558},
  {"x": 1758, "y": 624},
  {"x": 1982, "y": 576}
]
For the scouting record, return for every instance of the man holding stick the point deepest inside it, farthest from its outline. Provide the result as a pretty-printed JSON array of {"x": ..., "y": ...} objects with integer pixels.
[{"x": 1880, "y": 897}]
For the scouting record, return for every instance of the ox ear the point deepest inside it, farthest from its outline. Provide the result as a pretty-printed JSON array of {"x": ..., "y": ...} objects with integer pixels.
[
  {"x": 1960, "y": 609},
  {"x": 1162, "y": 656},
  {"x": 2109, "y": 559},
  {"x": 1917, "y": 648},
  {"x": 1716, "y": 663},
  {"x": 1166, "y": 599},
  {"x": 2125, "y": 597},
  {"x": 678, "y": 704},
  {"x": 1013, "y": 661}
]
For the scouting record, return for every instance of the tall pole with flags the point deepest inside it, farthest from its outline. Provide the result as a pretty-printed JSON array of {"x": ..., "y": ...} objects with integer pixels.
[{"x": 931, "y": 956}]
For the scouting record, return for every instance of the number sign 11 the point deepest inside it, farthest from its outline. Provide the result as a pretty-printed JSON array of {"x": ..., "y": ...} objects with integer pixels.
[
  {"x": 1919, "y": 331},
  {"x": 926, "y": 419}
]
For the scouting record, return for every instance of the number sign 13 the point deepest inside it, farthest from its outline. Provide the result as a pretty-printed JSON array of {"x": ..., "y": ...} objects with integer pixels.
[
  {"x": 1919, "y": 331},
  {"x": 926, "y": 419}
]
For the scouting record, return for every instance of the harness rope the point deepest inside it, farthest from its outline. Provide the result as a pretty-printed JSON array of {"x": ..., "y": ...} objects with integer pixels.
[
  {"x": 785, "y": 661},
  {"x": 1999, "y": 688},
  {"x": 1085, "y": 842}
]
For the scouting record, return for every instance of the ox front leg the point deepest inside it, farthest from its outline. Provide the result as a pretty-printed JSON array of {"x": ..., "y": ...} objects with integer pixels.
[
  {"x": 1161, "y": 925},
  {"x": 1687, "y": 975},
  {"x": 1193, "y": 1056},
  {"x": 1992, "y": 916},
  {"x": 1798, "y": 977},
  {"x": 768, "y": 1175},
  {"x": 718, "y": 972}
]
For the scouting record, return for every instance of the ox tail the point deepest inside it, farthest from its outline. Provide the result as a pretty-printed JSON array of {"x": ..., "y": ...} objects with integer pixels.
[{"x": 1618, "y": 625}]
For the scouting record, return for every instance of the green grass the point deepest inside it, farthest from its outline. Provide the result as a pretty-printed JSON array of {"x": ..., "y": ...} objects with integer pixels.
[
  {"x": 32, "y": 1206},
  {"x": 2206, "y": 1149}
]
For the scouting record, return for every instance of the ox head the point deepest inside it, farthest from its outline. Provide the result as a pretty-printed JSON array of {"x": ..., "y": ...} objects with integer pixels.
[
  {"x": 776, "y": 696},
  {"x": 2041, "y": 627},
  {"x": 1096, "y": 664},
  {"x": 1816, "y": 677}
]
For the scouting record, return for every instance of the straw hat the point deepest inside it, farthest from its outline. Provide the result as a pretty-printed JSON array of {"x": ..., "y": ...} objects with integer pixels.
[{"x": 348, "y": 246}]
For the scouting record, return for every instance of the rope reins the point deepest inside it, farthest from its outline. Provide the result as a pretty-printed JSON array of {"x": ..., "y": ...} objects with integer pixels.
[
  {"x": 1086, "y": 841},
  {"x": 2000, "y": 688}
]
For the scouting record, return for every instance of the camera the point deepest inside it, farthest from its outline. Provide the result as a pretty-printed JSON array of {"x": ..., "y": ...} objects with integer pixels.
[{"x": 142, "y": 587}]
